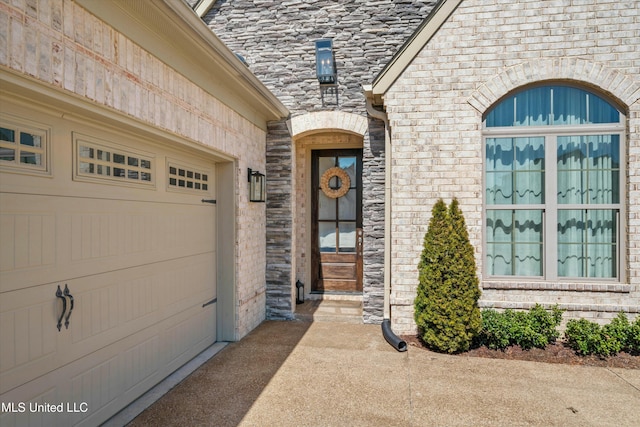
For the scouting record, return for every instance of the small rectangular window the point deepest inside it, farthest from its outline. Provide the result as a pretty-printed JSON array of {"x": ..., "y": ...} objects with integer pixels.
[
  {"x": 8, "y": 135},
  {"x": 23, "y": 147},
  {"x": 104, "y": 155},
  {"x": 7, "y": 154},
  {"x": 99, "y": 160},
  {"x": 187, "y": 178}
]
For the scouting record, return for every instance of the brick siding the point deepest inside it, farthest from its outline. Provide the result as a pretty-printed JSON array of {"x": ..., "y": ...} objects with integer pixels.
[{"x": 484, "y": 50}]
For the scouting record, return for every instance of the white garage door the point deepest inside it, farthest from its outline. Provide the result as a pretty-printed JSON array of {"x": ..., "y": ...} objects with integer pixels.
[{"x": 117, "y": 223}]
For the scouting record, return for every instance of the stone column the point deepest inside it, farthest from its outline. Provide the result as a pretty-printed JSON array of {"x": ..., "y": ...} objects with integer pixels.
[
  {"x": 373, "y": 175},
  {"x": 280, "y": 210}
]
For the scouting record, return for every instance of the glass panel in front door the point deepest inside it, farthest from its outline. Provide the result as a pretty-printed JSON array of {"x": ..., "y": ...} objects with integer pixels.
[{"x": 337, "y": 217}]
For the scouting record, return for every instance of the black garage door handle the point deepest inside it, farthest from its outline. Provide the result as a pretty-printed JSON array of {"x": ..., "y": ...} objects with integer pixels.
[
  {"x": 64, "y": 306},
  {"x": 68, "y": 294}
]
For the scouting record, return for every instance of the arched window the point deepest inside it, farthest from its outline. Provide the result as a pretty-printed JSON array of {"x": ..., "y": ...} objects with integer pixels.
[{"x": 554, "y": 185}]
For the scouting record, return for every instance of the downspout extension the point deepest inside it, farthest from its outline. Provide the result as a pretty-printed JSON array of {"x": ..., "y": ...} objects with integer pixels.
[
  {"x": 395, "y": 341},
  {"x": 387, "y": 332}
]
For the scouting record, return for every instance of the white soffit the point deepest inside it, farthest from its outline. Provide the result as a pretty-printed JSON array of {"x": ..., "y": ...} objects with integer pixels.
[
  {"x": 413, "y": 46},
  {"x": 172, "y": 32}
]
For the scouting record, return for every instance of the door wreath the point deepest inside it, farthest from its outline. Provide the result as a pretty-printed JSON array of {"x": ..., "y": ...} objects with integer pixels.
[{"x": 345, "y": 182}]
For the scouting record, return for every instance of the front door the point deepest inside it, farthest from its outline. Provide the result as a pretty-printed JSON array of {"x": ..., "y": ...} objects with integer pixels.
[{"x": 337, "y": 220}]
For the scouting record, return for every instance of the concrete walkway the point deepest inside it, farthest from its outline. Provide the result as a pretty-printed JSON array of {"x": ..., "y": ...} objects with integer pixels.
[{"x": 341, "y": 374}]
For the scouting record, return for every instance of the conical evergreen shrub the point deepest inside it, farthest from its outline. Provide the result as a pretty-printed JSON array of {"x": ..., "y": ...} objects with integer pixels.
[{"x": 446, "y": 304}]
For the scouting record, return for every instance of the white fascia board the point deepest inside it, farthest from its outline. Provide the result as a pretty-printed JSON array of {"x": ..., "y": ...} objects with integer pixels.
[
  {"x": 203, "y": 7},
  {"x": 413, "y": 46},
  {"x": 171, "y": 31}
]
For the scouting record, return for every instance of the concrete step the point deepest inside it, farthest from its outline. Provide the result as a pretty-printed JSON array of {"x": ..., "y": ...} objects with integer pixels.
[{"x": 330, "y": 310}]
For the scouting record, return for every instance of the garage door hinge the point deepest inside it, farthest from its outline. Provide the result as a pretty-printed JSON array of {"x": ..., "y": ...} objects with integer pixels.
[
  {"x": 213, "y": 201},
  {"x": 213, "y": 301}
]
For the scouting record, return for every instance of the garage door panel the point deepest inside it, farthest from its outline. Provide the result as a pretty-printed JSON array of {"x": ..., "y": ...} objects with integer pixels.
[
  {"x": 49, "y": 388},
  {"x": 75, "y": 242},
  {"x": 119, "y": 373},
  {"x": 27, "y": 335},
  {"x": 115, "y": 304},
  {"x": 107, "y": 308},
  {"x": 28, "y": 240},
  {"x": 195, "y": 329}
]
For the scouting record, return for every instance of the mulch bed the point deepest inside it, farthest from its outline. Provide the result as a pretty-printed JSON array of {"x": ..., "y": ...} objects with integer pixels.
[{"x": 553, "y": 353}]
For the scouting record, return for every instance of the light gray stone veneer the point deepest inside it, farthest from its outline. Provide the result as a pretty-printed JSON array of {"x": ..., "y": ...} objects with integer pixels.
[{"x": 276, "y": 39}]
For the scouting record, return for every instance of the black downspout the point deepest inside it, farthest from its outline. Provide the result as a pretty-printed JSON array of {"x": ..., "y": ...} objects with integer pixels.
[
  {"x": 392, "y": 338},
  {"x": 388, "y": 334}
]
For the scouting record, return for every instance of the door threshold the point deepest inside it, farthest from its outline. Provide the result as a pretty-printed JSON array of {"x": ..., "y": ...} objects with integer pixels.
[{"x": 335, "y": 296}]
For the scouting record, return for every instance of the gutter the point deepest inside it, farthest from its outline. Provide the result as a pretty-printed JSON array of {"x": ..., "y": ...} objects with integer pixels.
[{"x": 387, "y": 332}]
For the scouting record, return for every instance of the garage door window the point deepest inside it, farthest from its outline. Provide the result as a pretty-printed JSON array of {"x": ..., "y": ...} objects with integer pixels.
[
  {"x": 183, "y": 177},
  {"x": 23, "y": 147},
  {"x": 101, "y": 161}
]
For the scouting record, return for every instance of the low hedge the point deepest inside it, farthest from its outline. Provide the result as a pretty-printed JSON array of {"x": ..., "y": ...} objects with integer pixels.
[
  {"x": 534, "y": 328},
  {"x": 586, "y": 337}
]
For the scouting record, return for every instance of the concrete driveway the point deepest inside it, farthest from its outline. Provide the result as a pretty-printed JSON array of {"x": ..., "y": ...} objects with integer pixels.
[{"x": 339, "y": 374}]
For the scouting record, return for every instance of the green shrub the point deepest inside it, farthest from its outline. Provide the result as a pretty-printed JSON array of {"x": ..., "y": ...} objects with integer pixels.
[
  {"x": 633, "y": 337},
  {"x": 615, "y": 333},
  {"x": 446, "y": 304},
  {"x": 535, "y": 328},
  {"x": 586, "y": 337},
  {"x": 496, "y": 326}
]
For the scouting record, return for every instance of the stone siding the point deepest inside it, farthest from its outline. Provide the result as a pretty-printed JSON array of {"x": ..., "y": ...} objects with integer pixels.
[
  {"x": 373, "y": 202},
  {"x": 486, "y": 49},
  {"x": 61, "y": 45},
  {"x": 276, "y": 38},
  {"x": 280, "y": 210}
]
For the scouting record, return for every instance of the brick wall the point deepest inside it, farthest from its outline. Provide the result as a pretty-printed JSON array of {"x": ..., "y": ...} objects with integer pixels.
[
  {"x": 486, "y": 49},
  {"x": 61, "y": 45}
]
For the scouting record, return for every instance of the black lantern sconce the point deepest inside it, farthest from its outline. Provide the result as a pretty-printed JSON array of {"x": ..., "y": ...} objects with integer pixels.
[
  {"x": 325, "y": 62},
  {"x": 326, "y": 71},
  {"x": 257, "y": 187},
  {"x": 299, "y": 292}
]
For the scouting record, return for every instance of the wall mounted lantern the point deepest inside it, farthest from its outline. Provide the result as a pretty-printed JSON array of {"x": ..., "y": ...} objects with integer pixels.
[
  {"x": 325, "y": 62},
  {"x": 299, "y": 292},
  {"x": 257, "y": 187}
]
